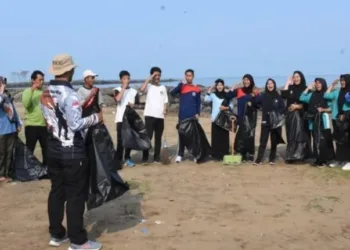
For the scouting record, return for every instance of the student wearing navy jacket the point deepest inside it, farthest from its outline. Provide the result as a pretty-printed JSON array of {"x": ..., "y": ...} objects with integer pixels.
[
  {"x": 190, "y": 103},
  {"x": 271, "y": 103},
  {"x": 246, "y": 116}
]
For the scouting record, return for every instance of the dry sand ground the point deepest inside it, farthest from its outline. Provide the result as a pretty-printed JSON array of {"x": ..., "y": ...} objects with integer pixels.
[{"x": 207, "y": 207}]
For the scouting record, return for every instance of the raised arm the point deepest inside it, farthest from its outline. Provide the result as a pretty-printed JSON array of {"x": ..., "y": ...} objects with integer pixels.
[
  {"x": 74, "y": 114},
  {"x": 144, "y": 86},
  {"x": 27, "y": 98},
  {"x": 177, "y": 90}
]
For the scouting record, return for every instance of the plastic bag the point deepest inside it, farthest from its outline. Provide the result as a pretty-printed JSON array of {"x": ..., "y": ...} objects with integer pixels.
[
  {"x": 296, "y": 137},
  {"x": 26, "y": 167},
  {"x": 194, "y": 139},
  {"x": 134, "y": 134},
  {"x": 276, "y": 119},
  {"x": 245, "y": 137},
  {"x": 224, "y": 120},
  {"x": 323, "y": 142},
  {"x": 105, "y": 182}
]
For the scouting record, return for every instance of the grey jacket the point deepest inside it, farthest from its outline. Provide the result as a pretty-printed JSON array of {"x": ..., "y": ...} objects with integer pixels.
[{"x": 63, "y": 114}]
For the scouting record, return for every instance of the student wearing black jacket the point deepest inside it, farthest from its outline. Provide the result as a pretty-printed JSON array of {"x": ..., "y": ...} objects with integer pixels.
[{"x": 273, "y": 107}]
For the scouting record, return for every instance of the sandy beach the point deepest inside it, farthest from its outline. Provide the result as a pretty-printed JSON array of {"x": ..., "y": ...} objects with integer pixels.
[{"x": 189, "y": 206}]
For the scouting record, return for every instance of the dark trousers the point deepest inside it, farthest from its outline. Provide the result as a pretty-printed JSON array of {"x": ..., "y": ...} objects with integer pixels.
[
  {"x": 266, "y": 132},
  {"x": 7, "y": 143},
  {"x": 181, "y": 148},
  {"x": 156, "y": 126},
  {"x": 69, "y": 183},
  {"x": 33, "y": 135},
  {"x": 120, "y": 148}
]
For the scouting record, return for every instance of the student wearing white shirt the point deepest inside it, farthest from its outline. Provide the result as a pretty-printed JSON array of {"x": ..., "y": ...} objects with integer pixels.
[
  {"x": 124, "y": 96},
  {"x": 155, "y": 111}
]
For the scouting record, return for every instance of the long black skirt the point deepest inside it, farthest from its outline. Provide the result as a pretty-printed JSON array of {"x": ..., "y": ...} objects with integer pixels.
[
  {"x": 220, "y": 142},
  {"x": 342, "y": 152}
]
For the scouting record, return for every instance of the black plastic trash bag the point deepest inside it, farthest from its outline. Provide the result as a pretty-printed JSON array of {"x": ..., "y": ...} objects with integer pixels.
[
  {"x": 296, "y": 137},
  {"x": 224, "y": 120},
  {"x": 341, "y": 132},
  {"x": 245, "y": 137},
  {"x": 276, "y": 119},
  {"x": 323, "y": 142},
  {"x": 194, "y": 139},
  {"x": 105, "y": 182},
  {"x": 26, "y": 167},
  {"x": 134, "y": 134}
]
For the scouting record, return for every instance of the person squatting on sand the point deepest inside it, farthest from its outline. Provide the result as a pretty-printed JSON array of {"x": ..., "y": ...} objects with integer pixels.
[{"x": 67, "y": 162}]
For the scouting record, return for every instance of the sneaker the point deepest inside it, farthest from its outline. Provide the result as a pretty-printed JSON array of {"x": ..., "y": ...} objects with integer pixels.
[
  {"x": 195, "y": 160},
  {"x": 272, "y": 163},
  {"x": 157, "y": 162},
  {"x": 346, "y": 167},
  {"x": 334, "y": 164},
  {"x": 129, "y": 163},
  {"x": 54, "y": 242},
  {"x": 178, "y": 159},
  {"x": 144, "y": 162},
  {"x": 90, "y": 245},
  {"x": 257, "y": 163}
]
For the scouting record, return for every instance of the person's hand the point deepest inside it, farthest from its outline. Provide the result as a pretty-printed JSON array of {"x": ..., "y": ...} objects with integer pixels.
[
  {"x": 235, "y": 86},
  {"x": 131, "y": 105},
  {"x": 19, "y": 129},
  {"x": 320, "y": 110},
  {"x": 341, "y": 118},
  {"x": 165, "y": 112},
  {"x": 100, "y": 116},
  {"x": 292, "y": 108},
  {"x": 183, "y": 81},
  {"x": 150, "y": 78},
  {"x": 196, "y": 116},
  {"x": 335, "y": 82},
  {"x": 223, "y": 108},
  {"x": 2, "y": 87},
  {"x": 255, "y": 92},
  {"x": 311, "y": 86},
  {"x": 93, "y": 91},
  {"x": 289, "y": 81},
  {"x": 34, "y": 86},
  {"x": 210, "y": 89}
]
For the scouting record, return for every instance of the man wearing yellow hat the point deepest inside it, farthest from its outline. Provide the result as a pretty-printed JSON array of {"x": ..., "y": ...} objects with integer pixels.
[{"x": 67, "y": 162}]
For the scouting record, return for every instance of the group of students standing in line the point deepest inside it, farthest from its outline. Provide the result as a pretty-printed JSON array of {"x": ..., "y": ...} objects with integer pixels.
[{"x": 308, "y": 112}]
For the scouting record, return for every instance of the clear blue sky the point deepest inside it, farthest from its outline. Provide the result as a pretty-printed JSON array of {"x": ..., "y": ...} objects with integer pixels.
[{"x": 216, "y": 38}]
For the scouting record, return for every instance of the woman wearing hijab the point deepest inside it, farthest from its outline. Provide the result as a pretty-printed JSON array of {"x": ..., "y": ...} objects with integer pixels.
[
  {"x": 220, "y": 141},
  {"x": 246, "y": 118},
  {"x": 297, "y": 137},
  {"x": 319, "y": 121},
  {"x": 273, "y": 107},
  {"x": 340, "y": 125}
]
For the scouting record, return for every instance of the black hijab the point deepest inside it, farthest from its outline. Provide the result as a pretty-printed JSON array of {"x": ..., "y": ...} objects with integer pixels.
[
  {"x": 298, "y": 89},
  {"x": 317, "y": 100},
  {"x": 343, "y": 91},
  {"x": 249, "y": 90},
  {"x": 220, "y": 94},
  {"x": 270, "y": 96}
]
